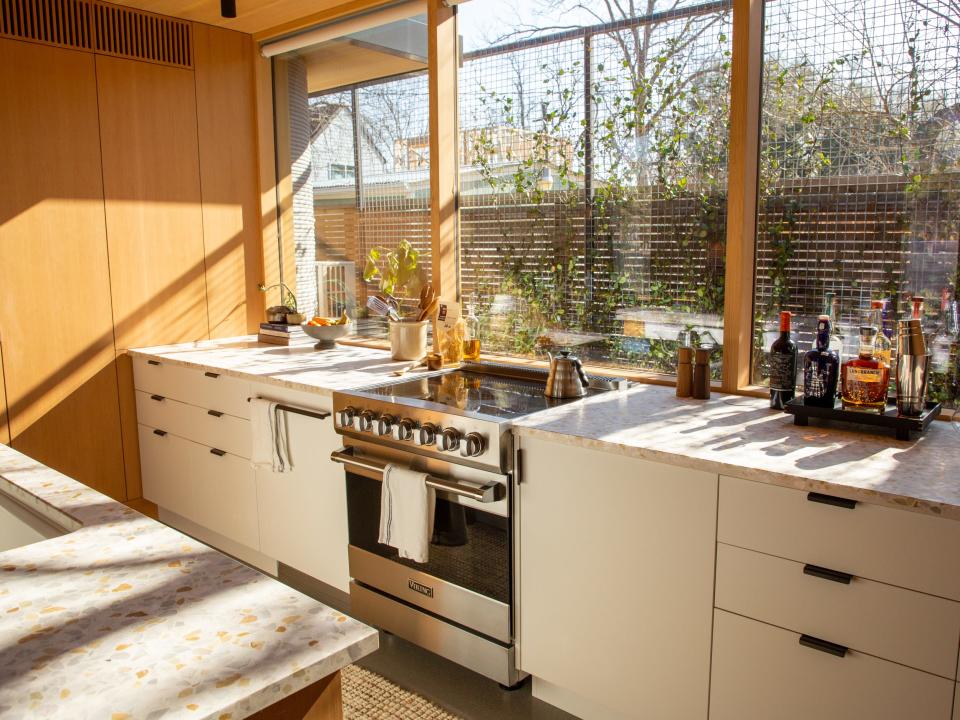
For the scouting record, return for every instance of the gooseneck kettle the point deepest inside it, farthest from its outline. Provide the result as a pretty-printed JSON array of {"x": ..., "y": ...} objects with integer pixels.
[{"x": 567, "y": 378}]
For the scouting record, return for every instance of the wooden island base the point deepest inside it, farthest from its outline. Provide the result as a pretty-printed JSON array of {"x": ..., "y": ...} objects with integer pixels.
[{"x": 320, "y": 701}]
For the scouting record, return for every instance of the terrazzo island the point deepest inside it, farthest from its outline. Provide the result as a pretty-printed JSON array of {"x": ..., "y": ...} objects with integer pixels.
[
  {"x": 122, "y": 617},
  {"x": 728, "y": 434}
]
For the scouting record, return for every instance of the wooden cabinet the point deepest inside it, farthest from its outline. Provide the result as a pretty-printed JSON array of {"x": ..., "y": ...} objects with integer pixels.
[
  {"x": 303, "y": 513},
  {"x": 615, "y": 588},
  {"x": 55, "y": 313},
  {"x": 762, "y": 671}
]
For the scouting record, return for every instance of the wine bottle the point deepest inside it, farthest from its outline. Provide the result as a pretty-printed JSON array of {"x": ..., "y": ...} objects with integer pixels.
[
  {"x": 821, "y": 369},
  {"x": 783, "y": 365}
]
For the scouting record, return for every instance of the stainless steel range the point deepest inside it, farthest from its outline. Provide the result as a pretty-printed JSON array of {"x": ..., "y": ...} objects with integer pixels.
[{"x": 454, "y": 426}]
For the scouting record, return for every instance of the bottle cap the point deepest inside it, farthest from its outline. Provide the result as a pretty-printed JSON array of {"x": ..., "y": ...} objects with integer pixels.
[
  {"x": 876, "y": 304},
  {"x": 785, "y": 316}
]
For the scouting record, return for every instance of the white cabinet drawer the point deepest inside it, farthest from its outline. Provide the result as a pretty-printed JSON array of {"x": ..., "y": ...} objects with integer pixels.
[
  {"x": 762, "y": 671},
  {"x": 902, "y": 548},
  {"x": 207, "y": 427},
  {"x": 905, "y": 626},
  {"x": 209, "y": 390},
  {"x": 215, "y": 491}
]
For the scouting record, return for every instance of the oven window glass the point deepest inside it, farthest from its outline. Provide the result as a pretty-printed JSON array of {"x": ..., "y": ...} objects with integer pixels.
[{"x": 469, "y": 548}]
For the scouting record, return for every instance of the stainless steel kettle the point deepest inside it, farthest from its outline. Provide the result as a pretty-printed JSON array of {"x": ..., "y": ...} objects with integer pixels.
[{"x": 567, "y": 378}]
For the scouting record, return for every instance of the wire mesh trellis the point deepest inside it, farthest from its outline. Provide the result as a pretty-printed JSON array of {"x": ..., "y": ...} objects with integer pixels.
[{"x": 859, "y": 164}]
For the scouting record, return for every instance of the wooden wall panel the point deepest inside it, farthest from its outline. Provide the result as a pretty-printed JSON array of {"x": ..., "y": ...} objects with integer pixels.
[
  {"x": 227, "y": 134},
  {"x": 55, "y": 311},
  {"x": 4, "y": 427},
  {"x": 151, "y": 177}
]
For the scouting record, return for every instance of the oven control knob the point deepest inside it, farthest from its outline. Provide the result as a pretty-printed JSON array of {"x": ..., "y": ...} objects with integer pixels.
[
  {"x": 450, "y": 439},
  {"x": 385, "y": 425},
  {"x": 403, "y": 430},
  {"x": 347, "y": 415},
  {"x": 427, "y": 435},
  {"x": 366, "y": 420},
  {"x": 473, "y": 445}
]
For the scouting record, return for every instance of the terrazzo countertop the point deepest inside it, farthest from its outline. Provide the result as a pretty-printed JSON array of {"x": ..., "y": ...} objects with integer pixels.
[
  {"x": 742, "y": 437},
  {"x": 297, "y": 366},
  {"x": 123, "y": 618}
]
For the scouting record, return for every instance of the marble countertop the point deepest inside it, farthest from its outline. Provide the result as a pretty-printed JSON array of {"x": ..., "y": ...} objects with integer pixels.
[
  {"x": 728, "y": 434},
  {"x": 742, "y": 437},
  {"x": 123, "y": 618},
  {"x": 297, "y": 366}
]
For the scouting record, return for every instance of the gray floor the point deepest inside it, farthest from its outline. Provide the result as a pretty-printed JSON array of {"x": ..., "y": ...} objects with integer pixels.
[{"x": 458, "y": 690}]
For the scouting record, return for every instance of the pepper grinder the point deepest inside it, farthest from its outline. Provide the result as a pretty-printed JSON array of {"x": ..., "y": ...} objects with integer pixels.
[
  {"x": 684, "y": 371},
  {"x": 701, "y": 373}
]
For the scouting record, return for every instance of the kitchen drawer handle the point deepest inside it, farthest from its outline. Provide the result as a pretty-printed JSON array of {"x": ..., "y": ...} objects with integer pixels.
[
  {"x": 218, "y": 452},
  {"x": 153, "y": 362},
  {"x": 832, "y": 500},
  {"x": 158, "y": 398},
  {"x": 161, "y": 433},
  {"x": 212, "y": 375},
  {"x": 827, "y": 574},
  {"x": 215, "y": 413},
  {"x": 823, "y": 645}
]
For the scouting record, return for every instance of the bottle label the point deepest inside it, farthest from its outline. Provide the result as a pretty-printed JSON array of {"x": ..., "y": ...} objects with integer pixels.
[
  {"x": 783, "y": 371},
  {"x": 864, "y": 375}
]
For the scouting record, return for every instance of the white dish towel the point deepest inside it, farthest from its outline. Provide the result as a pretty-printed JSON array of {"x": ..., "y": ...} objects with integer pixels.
[
  {"x": 268, "y": 429},
  {"x": 406, "y": 512}
]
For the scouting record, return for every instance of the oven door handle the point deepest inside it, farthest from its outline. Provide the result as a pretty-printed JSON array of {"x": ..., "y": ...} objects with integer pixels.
[{"x": 485, "y": 493}]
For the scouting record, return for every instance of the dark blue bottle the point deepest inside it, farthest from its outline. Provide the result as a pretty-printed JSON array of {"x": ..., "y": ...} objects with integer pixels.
[{"x": 821, "y": 369}]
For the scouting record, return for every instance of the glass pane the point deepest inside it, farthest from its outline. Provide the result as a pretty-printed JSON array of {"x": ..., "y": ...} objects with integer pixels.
[
  {"x": 859, "y": 168},
  {"x": 593, "y": 179},
  {"x": 352, "y": 116}
]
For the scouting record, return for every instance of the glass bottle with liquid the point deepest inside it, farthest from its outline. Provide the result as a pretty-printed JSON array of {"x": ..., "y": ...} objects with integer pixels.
[
  {"x": 471, "y": 335},
  {"x": 821, "y": 369},
  {"x": 864, "y": 379}
]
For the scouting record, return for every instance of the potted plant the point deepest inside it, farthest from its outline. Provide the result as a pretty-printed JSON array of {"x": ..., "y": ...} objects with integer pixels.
[
  {"x": 286, "y": 311},
  {"x": 399, "y": 276}
]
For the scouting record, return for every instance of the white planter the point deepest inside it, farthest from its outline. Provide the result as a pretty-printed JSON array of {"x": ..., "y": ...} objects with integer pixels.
[{"x": 408, "y": 339}]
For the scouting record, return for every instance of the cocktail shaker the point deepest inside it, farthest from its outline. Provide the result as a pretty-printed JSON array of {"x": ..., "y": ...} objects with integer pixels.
[{"x": 912, "y": 364}]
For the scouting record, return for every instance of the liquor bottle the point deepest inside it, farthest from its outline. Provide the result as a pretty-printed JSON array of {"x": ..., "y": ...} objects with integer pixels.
[
  {"x": 888, "y": 326},
  {"x": 832, "y": 311},
  {"x": 471, "y": 335},
  {"x": 917, "y": 302},
  {"x": 783, "y": 365},
  {"x": 882, "y": 344},
  {"x": 865, "y": 378},
  {"x": 943, "y": 341},
  {"x": 821, "y": 368}
]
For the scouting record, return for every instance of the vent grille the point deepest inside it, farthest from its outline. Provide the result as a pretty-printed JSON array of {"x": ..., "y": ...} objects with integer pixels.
[
  {"x": 100, "y": 27},
  {"x": 58, "y": 22}
]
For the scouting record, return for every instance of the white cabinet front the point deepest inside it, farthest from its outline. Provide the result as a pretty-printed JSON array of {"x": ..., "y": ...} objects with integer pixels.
[
  {"x": 616, "y": 567},
  {"x": 303, "y": 512}
]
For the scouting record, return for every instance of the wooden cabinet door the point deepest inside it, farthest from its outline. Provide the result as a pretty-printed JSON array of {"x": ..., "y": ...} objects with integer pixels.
[
  {"x": 55, "y": 312},
  {"x": 616, "y": 566},
  {"x": 303, "y": 513}
]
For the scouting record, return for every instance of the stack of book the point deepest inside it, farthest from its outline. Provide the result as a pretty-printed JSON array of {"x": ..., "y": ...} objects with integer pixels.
[{"x": 276, "y": 333}]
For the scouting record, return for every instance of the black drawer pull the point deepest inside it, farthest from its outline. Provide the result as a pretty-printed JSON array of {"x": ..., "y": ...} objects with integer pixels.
[
  {"x": 161, "y": 433},
  {"x": 158, "y": 398},
  {"x": 827, "y": 574},
  {"x": 823, "y": 645},
  {"x": 212, "y": 375},
  {"x": 217, "y": 452},
  {"x": 215, "y": 413},
  {"x": 153, "y": 362},
  {"x": 832, "y": 500}
]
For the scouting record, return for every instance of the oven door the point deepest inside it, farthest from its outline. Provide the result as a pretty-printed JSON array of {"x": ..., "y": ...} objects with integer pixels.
[{"x": 467, "y": 579}]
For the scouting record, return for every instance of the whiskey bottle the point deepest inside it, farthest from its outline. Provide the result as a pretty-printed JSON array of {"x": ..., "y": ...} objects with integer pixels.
[
  {"x": 821, "y": 368},
  {"x": 783, "y": 365},
  {"x": 882, "y": 344},
  {"x": 832, "y": 311},
  {"x": 865, "y": 378}
]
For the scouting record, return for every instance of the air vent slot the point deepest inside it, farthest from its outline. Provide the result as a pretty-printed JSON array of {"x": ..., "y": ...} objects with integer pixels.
[
  {"x": 101, "y": 27},
  {"x": 65, "y": 23},
  {"x": 142, "y": 36}
]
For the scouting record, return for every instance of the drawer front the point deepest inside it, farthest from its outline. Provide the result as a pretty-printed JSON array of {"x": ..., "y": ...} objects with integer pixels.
[
  {"x": 207, "y": 427},
  {"x": 216, "y": 491},
  {"x": 898, "y": 547},
  {"x": 762, "y": 671},
  {"x": 209, "y": 390},
  {"x": 905, "y": 626}
]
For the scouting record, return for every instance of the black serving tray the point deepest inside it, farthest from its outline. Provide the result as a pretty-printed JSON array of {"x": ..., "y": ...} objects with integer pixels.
[{"x": 888, "y": 419}]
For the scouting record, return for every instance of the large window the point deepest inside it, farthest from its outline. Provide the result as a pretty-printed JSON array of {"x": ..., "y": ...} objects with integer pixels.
[
  {"x": 593, "y": 176},
  {"x": 859, "y": 187}
]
